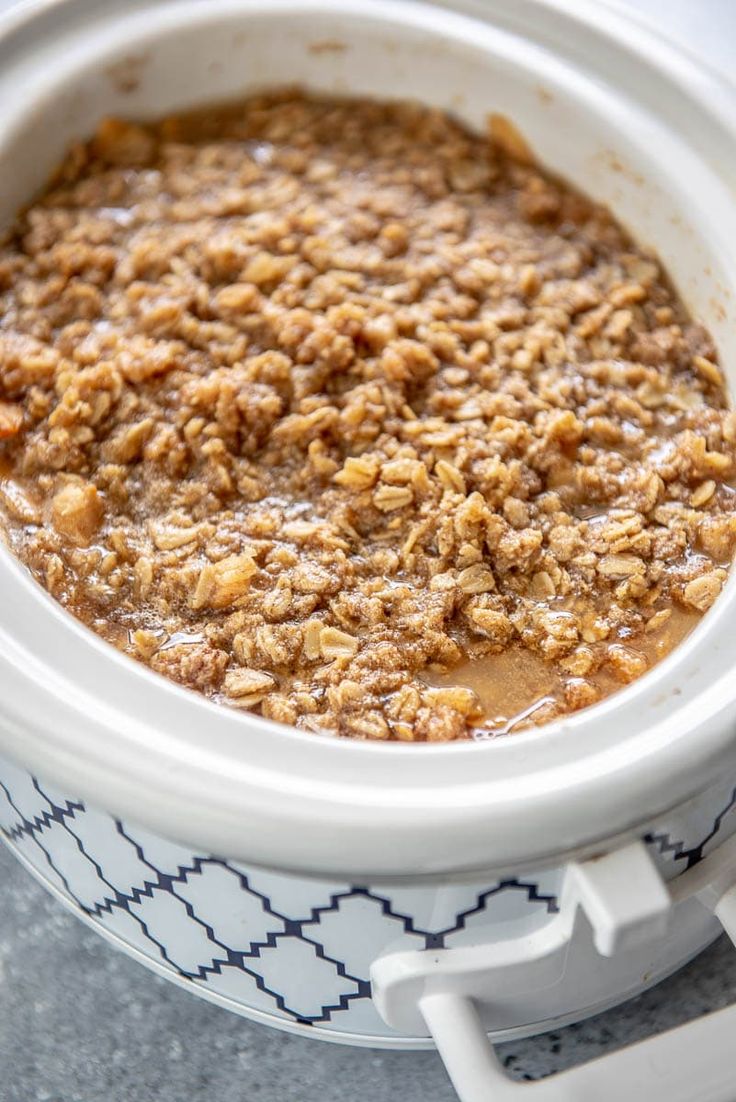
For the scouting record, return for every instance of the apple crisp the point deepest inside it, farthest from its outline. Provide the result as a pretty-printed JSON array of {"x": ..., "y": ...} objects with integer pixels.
[{"x": 337, "y": 412}]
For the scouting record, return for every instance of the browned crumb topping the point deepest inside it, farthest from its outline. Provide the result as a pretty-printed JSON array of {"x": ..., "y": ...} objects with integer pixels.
[{"x": 306, "y": 401}]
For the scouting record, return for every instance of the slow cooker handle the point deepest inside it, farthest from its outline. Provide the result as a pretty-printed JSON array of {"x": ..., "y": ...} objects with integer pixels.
[
  {"x": 625, "y": 902},
  {"x": 693, "y": 1063}
]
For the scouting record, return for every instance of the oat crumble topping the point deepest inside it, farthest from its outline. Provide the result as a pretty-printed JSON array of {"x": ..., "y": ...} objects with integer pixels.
[{"x": 314, "y": 405}]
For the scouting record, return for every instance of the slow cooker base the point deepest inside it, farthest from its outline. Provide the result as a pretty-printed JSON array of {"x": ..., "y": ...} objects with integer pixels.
[{"x": 339, "y": 1037}]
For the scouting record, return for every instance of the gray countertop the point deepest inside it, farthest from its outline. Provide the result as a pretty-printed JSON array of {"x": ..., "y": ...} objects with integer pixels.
[{"x": 82, "y": 1023}]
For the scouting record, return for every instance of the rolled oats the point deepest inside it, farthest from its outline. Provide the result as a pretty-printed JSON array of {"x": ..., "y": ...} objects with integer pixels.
[{"x": 334, "y": 411}]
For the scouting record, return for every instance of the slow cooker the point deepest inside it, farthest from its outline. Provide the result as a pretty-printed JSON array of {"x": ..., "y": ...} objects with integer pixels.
[{"x": 394, "y": 896}]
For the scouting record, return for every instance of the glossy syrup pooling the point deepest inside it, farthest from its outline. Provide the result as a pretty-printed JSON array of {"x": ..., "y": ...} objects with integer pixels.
[{"x": 518, "y": 689}]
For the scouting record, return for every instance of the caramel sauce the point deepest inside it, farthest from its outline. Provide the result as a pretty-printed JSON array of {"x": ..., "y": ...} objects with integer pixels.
[{"x": 517, "y": 689}]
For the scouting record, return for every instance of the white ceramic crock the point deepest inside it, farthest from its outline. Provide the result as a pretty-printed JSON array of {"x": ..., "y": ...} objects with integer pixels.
[{"x": 336, "y": 861}]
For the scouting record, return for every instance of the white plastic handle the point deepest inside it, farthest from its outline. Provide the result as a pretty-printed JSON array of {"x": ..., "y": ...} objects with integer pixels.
[
  {"x": 626, "y": 903},
  {"x": 693, "y": 1063}
]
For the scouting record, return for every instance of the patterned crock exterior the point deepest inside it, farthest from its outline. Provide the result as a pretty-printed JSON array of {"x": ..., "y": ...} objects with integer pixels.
[{"x": 294, "y": 950}]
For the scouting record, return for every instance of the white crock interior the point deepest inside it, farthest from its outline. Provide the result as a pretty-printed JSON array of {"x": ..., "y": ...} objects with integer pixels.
[{"x": 614, "y": 111}]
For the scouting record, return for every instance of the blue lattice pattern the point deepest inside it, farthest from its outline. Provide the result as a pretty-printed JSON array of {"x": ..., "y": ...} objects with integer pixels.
[{"x": 277, "y": 943}]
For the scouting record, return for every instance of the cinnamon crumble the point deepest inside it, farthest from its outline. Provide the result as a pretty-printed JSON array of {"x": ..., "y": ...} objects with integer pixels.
[{"x": 337, "y": 412}]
